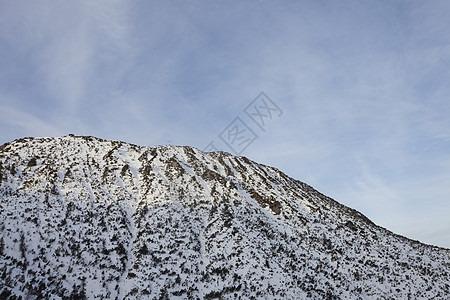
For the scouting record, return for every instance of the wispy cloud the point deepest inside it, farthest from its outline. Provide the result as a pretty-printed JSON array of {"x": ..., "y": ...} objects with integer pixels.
[
  {"x": 363, "y": 86},
  {"x": 18, "y": 121}
]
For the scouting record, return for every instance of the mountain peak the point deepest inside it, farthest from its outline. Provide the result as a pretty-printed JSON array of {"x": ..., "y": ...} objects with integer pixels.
[{"x": 87, "y": 217}]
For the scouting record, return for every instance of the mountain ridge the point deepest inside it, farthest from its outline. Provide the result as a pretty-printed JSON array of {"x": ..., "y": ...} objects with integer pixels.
[{"x": 101, "y": 208}]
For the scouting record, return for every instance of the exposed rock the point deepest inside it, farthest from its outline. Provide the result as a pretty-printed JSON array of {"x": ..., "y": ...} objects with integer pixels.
[{"x": 82, "y": 217}]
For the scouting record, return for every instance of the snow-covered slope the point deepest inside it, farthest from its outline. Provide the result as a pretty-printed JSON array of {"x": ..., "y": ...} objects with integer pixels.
[{"x": 84, "y": 217}]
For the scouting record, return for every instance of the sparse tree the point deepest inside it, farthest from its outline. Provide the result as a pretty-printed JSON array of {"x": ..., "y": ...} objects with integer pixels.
[
  {"x": 2, "y": 246},
  {"x": 23, "y": 249}
]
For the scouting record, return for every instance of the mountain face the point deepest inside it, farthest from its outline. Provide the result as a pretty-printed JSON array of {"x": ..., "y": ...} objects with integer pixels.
[{"x": 82, "y": 217}]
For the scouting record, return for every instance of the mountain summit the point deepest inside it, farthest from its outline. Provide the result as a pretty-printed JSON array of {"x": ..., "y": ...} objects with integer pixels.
[{"x": 82, "y": 217}]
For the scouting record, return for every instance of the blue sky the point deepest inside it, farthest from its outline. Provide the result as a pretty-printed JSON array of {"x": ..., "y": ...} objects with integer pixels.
[{"x": 363, "y": 87}]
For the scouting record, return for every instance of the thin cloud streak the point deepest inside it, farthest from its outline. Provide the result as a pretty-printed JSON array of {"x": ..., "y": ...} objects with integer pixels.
[
  {"x": 19, "y": 121},
  {"x": 363, "y": 87}
]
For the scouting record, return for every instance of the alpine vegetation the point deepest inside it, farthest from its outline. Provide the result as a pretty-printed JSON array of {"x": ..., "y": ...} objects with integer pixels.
[{"x": 82, "y": 217}]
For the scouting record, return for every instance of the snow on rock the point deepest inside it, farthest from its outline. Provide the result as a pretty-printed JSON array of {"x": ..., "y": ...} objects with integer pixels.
[{"x": 82, "y": 217}]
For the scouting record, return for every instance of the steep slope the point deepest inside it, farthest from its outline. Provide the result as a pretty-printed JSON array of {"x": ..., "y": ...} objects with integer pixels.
[{"x": 84, "y": 217}]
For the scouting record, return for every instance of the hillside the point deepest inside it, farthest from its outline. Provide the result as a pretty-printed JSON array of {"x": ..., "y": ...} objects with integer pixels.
[{"x": 82, "y": 217}]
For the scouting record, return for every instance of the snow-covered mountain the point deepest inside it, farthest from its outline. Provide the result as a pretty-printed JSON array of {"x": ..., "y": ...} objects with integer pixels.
[{"x": 85, "y": 217}]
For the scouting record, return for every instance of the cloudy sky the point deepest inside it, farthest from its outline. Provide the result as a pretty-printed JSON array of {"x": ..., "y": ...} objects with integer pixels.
[{"x": 358, "y": 91}]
